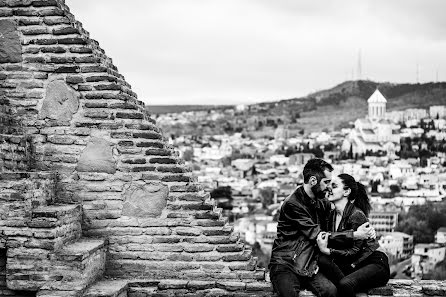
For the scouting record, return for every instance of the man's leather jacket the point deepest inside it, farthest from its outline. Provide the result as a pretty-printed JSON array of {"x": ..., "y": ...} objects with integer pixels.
[{"x": 301, "y": 218}]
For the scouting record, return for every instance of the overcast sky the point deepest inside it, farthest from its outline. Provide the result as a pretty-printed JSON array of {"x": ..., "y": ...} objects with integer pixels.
[{"x": 246, "y": 51}]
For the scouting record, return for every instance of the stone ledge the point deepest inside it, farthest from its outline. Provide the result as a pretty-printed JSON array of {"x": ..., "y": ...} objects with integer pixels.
[{"x": 166, "y": 287}]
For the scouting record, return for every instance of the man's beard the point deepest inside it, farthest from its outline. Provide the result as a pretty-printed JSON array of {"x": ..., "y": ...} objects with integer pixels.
[{"x": 317, "y": 191}]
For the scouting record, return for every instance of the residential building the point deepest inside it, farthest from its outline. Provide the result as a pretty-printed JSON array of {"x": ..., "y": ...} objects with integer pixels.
[
  {"x": 425, "y": 257},
  {"x": 440, "y": 236},
  {"x": 397, "y": 244}
]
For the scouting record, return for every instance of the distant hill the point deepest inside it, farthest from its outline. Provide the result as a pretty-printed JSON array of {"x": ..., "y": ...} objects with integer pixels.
[
  {"x": 398, "y": 95},
  {"x": 162, "y": 109},
  {"x": 328, "y": 109},
  {"x": 336, "y": 107}
]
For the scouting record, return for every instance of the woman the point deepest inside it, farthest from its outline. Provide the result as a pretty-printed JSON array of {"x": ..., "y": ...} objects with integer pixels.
[{"x": 363, "y": 264}]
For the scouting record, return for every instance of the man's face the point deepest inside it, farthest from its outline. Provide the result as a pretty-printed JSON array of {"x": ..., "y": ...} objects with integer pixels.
[{"x": 321, "y": 188}]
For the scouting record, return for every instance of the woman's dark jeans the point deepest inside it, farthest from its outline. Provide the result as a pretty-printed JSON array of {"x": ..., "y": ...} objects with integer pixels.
[
  {"x": 287, "y": 284},
  {"x": 371, "y": 273}
]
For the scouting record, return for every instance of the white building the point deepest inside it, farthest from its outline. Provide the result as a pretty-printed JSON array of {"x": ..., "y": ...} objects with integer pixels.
[
  {"x": 426, "y": 256},
  {"x": 374, "y": 133},
  {"x": 440, "y": 236},
  {"x": 437, "y": 111},
  {"x": 398, "y": 244}
]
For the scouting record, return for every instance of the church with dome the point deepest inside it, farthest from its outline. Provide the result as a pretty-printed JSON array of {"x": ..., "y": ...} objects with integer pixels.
[{"x": 374, "y": 133}]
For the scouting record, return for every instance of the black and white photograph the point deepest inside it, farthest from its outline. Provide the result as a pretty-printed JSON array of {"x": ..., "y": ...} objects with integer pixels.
[{"x": 222, "y": 148}]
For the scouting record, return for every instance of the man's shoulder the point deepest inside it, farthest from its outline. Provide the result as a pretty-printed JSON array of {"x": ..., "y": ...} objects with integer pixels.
[{"x": 294, "y": 196}]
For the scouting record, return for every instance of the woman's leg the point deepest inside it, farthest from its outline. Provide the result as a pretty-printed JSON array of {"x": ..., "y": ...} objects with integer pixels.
[
  {"x": 329, "y": 268},
  {"x": 366, "y": 277}
]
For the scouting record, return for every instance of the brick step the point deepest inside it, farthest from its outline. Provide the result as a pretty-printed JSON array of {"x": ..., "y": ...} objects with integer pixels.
[
  {"x": 175, "y": 287},
  {"x": 184, "y": 269},
  {"x": 77, "y": 265},
  {"x": 107, "y": 288},
  {"x": 56, "y": 225}
]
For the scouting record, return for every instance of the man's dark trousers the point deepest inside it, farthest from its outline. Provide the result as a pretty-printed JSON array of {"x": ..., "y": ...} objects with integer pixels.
[{"x": 287, "y": 284}]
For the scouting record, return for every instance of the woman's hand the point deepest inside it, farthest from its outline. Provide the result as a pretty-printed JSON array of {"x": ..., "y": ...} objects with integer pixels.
[
  {"x": 365, "y": 231},
  {"x": 322, "y": 242}
]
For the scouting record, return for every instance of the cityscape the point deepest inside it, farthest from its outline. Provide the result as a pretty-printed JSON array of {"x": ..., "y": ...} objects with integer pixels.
[{"x": 399, "y": 155}]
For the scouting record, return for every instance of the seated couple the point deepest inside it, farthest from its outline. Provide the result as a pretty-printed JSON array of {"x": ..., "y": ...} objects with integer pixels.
[{"x": 324, "y": 242}]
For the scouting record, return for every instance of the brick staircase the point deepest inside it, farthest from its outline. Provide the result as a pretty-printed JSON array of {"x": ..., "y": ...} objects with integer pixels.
[{"x": 45, "y": 248}]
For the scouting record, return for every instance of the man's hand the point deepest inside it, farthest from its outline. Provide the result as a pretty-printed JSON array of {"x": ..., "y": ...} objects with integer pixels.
[
  {"x": 365, "y": 231},
  {"x": 322, "y": 242}
]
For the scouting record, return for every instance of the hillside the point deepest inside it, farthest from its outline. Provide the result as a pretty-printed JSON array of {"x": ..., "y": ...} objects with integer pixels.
[
  {"x": 337, "y": 106},
  {"x": 328, "y": 109}
]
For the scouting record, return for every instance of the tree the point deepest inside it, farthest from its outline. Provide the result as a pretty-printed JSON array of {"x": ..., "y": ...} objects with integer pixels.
[
  {"x": 222, "y": 192},
  {"x": 422, "y": 221},
  {"x": 188, "y": 155},
  {"x": 395, "y": 189},
  {"x": 267, "y": 197}
]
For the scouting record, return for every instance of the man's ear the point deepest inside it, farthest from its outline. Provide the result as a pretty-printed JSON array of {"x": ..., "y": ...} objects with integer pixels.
[{"x": 313, "y": 180}]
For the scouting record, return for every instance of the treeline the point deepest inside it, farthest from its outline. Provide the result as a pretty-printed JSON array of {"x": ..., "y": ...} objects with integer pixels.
[{"x": 423, "y": 221}]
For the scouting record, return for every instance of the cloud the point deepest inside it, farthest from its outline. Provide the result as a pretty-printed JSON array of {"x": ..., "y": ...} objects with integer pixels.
[{"x": 230, "y": 51}]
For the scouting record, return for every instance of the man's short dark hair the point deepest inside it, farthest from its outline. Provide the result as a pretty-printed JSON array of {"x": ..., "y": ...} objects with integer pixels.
[{"x": 316, "y": 167}]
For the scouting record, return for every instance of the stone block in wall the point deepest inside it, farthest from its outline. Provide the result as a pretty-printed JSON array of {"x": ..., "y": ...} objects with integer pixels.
[
  {"x": 145, "y": 200},
  {"x": 10, "y": 45},
  {"x": 61, "y": 102},
  {"x": 97, "y": 157}
]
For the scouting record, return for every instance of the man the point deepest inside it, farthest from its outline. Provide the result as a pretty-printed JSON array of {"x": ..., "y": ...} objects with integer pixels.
[{"x": 302, "y": 218}]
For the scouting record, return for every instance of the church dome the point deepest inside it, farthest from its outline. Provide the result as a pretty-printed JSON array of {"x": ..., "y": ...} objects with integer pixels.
[{"x": 377, "y": 97}]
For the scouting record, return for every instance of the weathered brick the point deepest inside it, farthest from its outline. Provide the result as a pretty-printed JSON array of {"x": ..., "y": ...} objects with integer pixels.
[
  {"x": 6, "y": 13},
  {"x": 29, "y": 22},
  {"x": 51, "y": 12},
  {"x": 97, "y": 78},
  {"x": 133, "y": 115},
  {"x": 105, "y": 87},
  {"x": 123, "y": 106},
  {"x": 34, "y": 59},
  {"x": 147, "y": 135},
  {"x": 81, "y": 50},
  {"x": 74, "y": 79},
  {"x": 67, "y": 69},
  {"x": 97, "y": 114},
  {"x": 187, "y": 231},
  {"x": 43, "y": 41},
  {"x": 53, "y": 49},
  {"x": 71, "y": 40},
  {"x": 34, "y": 31},
  {"x": 65, "y": 31},
  {"x": 158, "y": 160},
  {"x": 56, "y": 20},
  {"x": 135, "y": 161},
  {"x": 40, "y": 3},
  {"x": 143, "y": 169},
  {"x": 175, "y": 178},
  {"x": 86, "y": 59},
  {"x": 25, "y": 12},
  {"x": 61, "y": 59},
  {"x": 158, "y": 152},
  {"x": 86, "y": 69},
  {"x": 154, "y": 144}
]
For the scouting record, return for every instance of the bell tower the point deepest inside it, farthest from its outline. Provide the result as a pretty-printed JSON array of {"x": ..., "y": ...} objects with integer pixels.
[{"x": 377, "y": 106}]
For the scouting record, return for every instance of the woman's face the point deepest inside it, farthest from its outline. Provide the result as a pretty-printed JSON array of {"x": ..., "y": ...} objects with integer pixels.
[{"x": 337, "y": 190}]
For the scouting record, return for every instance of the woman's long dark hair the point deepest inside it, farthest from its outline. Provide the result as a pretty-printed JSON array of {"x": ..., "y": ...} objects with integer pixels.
[{"x": 358, "y": 193}]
